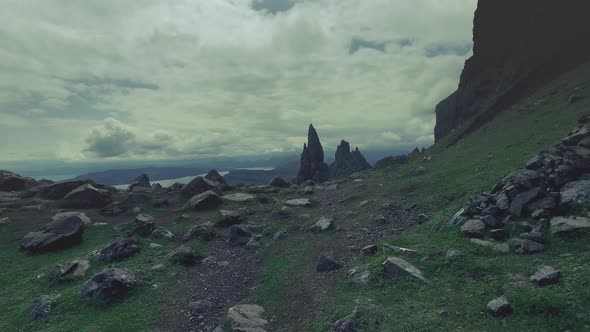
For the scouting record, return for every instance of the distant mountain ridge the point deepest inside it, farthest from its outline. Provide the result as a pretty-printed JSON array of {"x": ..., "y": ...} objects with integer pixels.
[{"x": 125, "y": 176}]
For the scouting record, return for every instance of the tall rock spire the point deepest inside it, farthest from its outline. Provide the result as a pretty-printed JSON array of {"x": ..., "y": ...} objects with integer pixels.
[
  {"x": 312, "y": 166},
  {"x": 346, "y": 162}
]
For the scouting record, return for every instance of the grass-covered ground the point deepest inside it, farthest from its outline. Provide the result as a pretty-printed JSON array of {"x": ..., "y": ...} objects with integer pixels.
[{"x": 459, "y": 290}]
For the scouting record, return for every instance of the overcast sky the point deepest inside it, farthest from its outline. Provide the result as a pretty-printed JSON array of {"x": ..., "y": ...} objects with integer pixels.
[{"x": 169, "y": 79}]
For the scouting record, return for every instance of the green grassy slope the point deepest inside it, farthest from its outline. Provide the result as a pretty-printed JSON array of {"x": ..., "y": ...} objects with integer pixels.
[{"x": 460, "y": 290}]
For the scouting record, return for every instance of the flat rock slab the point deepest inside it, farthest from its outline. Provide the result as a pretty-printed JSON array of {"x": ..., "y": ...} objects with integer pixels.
[
  {"x": 328, "y": 262},
  {"x": 87, "y": 197},
  {"x": 204, "y": 201},
  {"x": 565, "y": 225},
  {"x": 498, "y": 247},
  {"x": 118, "y": 250},
  {"x": 299, "y": 202},
  {"x": 239, "y": 198},
  {"x": 58, "y": 235},
  {"x": 396, "y": 268},
  {"x": 247, "y": 318}
]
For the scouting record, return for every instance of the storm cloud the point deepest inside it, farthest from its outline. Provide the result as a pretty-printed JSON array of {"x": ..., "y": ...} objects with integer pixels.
[{"x": 153, "y": 79}]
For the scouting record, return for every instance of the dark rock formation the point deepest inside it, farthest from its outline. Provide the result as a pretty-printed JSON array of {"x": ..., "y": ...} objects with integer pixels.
[
  {"x": 346, "y": 162},
  {"x": 62, "y": 234},
  {"x": 204, "y": 201},
  {"x": 214, "y": 176},
  {"x": 183, "y": 255},
  {"x": 537, "y": 41},
  {"x": 108, "y": 285},
  {"x": 60, "y": 189},
  {"x": 142, "y": 183},
  {"x": 197, "y": 186},
  {"x": 14, "y": 182},
  {"x": 42, "y": 307},
  {"x": 87, "y": 197},
  {"x": 118, "y": 250},
  {"x": 312, "y": 165}
]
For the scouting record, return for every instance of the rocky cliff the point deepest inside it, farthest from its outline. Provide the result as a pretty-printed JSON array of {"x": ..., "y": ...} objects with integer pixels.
[
  {"x": 518, "y": 47},
  {"x": 312, "y": 165},
  {"x": 347, "y": 162}
]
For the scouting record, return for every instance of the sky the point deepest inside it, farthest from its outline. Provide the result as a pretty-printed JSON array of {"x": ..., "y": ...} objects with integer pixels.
[{"x": 95, "y": 80}]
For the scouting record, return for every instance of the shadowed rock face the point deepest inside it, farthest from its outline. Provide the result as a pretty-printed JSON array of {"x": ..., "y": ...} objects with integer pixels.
[
  {"x": 346, "y": 162},
  {"x": 518, "y": 47},
  {"x": 312, "y": 165}
]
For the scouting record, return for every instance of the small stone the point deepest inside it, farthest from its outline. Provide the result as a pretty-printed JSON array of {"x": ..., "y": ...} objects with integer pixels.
[
  {"x": 155, "y": 246},
  {"x": 322, "y": 225},
  {"x": 422, "y": 218},
  {"x": 500, "y": 307},
  {"x": 280, "y": 235},
  {"x": 162, "y": 233},
  {"x": 396, "y": 268},
  {"x": 238, "y": 236},
  {"x": 183, "y": 255},
  {"x": 346, "y": 324},
  {"x": 529, "y": 247},
  {"x": 299, "y": 202},
  {"x": 474, "y": 228},
  {"x": 359, "y": 275},
  {"x": 370, "y": 250}
]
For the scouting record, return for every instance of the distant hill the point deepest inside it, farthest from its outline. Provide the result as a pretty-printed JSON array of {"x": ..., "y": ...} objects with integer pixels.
[
  {"x": 123, "y": 176},
  {"x": 287, "y": 171}
]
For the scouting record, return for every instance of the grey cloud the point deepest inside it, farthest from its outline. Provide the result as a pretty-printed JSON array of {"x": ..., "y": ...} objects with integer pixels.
[
  {"x": 273, "y": 6},
  {"x": 110, "y": 140},
  {"x": 358, "y": 43},
  {"x": 448, "y": 49}
]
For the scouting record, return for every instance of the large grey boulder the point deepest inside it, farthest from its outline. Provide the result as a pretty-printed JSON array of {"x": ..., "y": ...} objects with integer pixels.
[
  {"x": 545, "y": 276},
  {"x": 246, "y": 318},
  {"x": 397, "y": 268},
  {"x": 577, "y": 192},
  {"x": 215, "y": 177},
  {"x": 204, "y": 201},
  {"x": 518, "y": 203},
  {"x": 13, "y": 182},
  {"x": 58, "y": 235},
  {"x": 204, "y": 231},
  {"x": 108, "y": 285},
  {"x": 59, "y": 190},
  {"x": 118, "y": 250},
  {"x": 87, "y": 197},
  {"x": 474, "y": 228},
  {"x": 228, "y": 218},
  {"x": 565, "y": 225},
  {"x": 347, "y": 324},
  {"x": 198, "y": 186}
]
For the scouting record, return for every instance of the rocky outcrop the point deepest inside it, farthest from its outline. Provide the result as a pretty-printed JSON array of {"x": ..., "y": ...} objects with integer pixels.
[
  {"x": 346, "y": 162},
  {"x": 87, "y": 197},
  {"x": 13, "y": 182},
  {"x": 199, "y": 185},
  {"x": 62, "y": 234},
  {"x": 312, "y": 165},
  {"x": 141, "y": 183},
  {"x": 108, "y": 285},
  {"x": 515, "y": 57}
]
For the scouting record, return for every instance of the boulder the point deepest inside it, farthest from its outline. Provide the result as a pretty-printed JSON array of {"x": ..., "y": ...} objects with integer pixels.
[
  {"x": 198, "y": 186},
  {"x": 545, "y": 276},
  {"x": 279, "y": 182},
  {"x": 503, "y": 248},
  {"x": 141, "y": 183},
  {"x": 370, "y": 250},
  {"x": 62, "y": 234},
  {"x": 566, "y": 225},
  {"x": 204, "y": 201},
  {"x": 359, "y": 275},
  {"x": 577, "y": 192},
  {"x": 523, "y": 179},
  {"x": 74, "y": 269},
  {"x": 87, "y": 197},
  {"x": 162, "y": 233},
  {"x": 238, "y": 236},
  {"x": 246, "y": 318},
  {"x": 228, "y": 218},
  {"x": 42, "y": 307},
  {"x": 214, "y": 176},
  {"x": 397, "y": 268},
  {"x": 328, "y": 262},
  {"x": 299, "y": 202},
  {"x": 474, "y": 228},
  {"x": 59, "y": 190},
  {"x": 322, "y": 225},
  {"x": 347, "y": 324},
  {"x": 183, "y": 255},
  {"x": 280, "y": 235},
  {"x": 518, "y": 203},
  {"x": 142, "y": 225},
  {"x": 529, "y": 247},
  {"x": 500, "y": 306},
  {"x": 12, "y": 182},
  {"x": 312, "y": 165},
  {"x": 253, "y": 244},
  {"x": 110, "y": 284},
  {"x": 157, "y": 188},
  {"x": 204, "y": 231},
  {"x": 118, "y": 250}
]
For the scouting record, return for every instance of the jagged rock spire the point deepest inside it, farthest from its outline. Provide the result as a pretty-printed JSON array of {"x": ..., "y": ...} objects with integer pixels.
[
  {"x": 346, "y": 162},
  {"x": 312, "y": 166}
]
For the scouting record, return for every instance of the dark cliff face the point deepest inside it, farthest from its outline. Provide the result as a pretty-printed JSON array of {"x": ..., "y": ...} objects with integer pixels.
[{"x": 519, "y": 46}]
